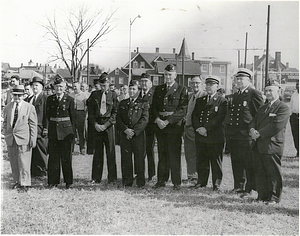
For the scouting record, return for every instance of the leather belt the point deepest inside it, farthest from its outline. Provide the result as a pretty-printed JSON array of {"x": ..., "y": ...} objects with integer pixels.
[
  {"x": 57, "y": 119},
  {"x": 165, "y": 113},
  {"x": 79, "y": 110}
]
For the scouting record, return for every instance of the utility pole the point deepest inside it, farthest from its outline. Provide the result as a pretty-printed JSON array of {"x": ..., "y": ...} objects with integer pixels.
[
  {"x": 267, "y": 50},
  {"x": 88, "y": 61},
  {"x": 239, "y": 59},
  {"x": 183, "y": 56},
  {"x": 246, "y": 51}
]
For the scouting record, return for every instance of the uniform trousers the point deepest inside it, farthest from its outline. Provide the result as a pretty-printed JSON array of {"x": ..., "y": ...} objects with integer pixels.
[
  {"x": 294, "y": 121},
  {"x": 20, "y": 159},
  {"x": 267, "y": 168},
  {"x": 90, "y": 138},
  {"x": 39, "y": 159},
  {"x": 209, "y": 154},
  {"x": 60, "y": 154},
  {"x": 150, "y": 142},
  {"x": 135, "y": 146},
  {"x": 104, "y": 138},
  {"x": 79, "y": 125},
  {"x": 242, "y": 164},
  {"x": 190, "y": 150},
  {"x": 169, "y": 157}
]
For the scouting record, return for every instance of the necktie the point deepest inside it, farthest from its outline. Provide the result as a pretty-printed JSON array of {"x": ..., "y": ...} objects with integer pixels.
[
  {"x": 103, "y": 104},
  {"x": 58, "y": 98},
  {"x": 268, "y": 107},
  {"x": 33, "y": 100},
  {"x": 208, "y": 98},
  {"x": 15, "y": 115},
  {"x": 239, "y": 92}
]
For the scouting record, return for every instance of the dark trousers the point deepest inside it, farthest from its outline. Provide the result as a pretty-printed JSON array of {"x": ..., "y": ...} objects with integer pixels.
[
  {"x": 39, "y": 157},
  {"x": 209, "y": 154},
  {"x": 79, "y": 125},
  {"x": 60, "y": 153},
  {"x": 294, "y": 121},
  {"x": 150, "y": 142},
  {"x": 242, "y": 164},
  {"x": 268, "y": 175},
  {"x": 90, "y": 138},
  {"x": 104, "y": 138},
  {"x": 169, "y": 157},
  {"x": 135, "y": 146}
]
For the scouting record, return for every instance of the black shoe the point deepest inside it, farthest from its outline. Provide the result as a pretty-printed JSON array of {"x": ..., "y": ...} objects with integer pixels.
[
  {"x": 141, "y": 186},
  {"x": 23, "y": 189},
  {"x": 159, "y": 185},
  {"x": 216, "y": 188},
  {"x": 52, "y": 186},
  {"x": 112, "y": 182},
  {"x": 16, "y": 185},
  {"x": 176, "y": 187},
  {"x": 150, "y": 178},
  {"x": 68, "y": 186},
  {"x": 127, "y": 185},
  {"x": 196, "y": 186}
]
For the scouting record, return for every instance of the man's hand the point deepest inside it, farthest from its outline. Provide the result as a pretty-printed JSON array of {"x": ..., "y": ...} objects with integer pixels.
[
  {"x": 161, "y": 123},
  {"x": 45, "y": 133},
  {"x": 254, "y": 134},
  {"x": 31, "y": 145},
  {"x": 202, "y": 131},
  {"x": 99, "y": 128},
  {"x": 129, "y": 133}
]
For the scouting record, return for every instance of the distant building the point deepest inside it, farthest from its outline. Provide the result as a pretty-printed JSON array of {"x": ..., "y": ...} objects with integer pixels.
[{"x": 118, "y": 77}]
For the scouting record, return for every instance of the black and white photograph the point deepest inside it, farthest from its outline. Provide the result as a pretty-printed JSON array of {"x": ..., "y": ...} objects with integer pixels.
[{"x": 149, "y": 117}]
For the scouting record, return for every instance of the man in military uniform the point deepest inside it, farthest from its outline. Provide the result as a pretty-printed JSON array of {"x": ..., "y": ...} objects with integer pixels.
[
  {"x": 147, "y": 94},
  {"x": 242, "y": 107},
  {"x": 169, "y": 106},
  {"x": 102, "y": 110},
  {"x": 61, "y": 117},
  {"x": 207, "y": 120},
  {"x": 132, "y": 119}
]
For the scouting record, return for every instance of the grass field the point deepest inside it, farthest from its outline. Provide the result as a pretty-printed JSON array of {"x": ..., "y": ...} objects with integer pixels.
[{"x": 113, "y": 209}]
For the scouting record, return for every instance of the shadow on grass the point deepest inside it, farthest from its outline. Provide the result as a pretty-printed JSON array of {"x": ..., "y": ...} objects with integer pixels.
[{"x": 290, "y": 180}]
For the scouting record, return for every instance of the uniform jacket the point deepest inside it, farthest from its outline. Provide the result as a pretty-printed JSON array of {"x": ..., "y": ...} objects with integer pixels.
[
  {"x": 241, "y": 110},
  {"x": 94, "y": 105},
  {"x": 148, "y": 98},
  {"x": 271, "y": 126},
  {"x": 174, "y": 100},
  {"x": 25, "y": 129},
  {"x": 133, "y": 115},
  {"x": 210, "y": 115},
  {"x": 58, "y": 109}
]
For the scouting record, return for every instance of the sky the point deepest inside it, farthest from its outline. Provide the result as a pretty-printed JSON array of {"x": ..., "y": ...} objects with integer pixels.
[{"x": 210, "y": 28}]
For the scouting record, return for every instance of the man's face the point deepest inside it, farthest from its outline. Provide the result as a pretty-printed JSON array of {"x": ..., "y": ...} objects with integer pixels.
[
  {"x": 196, "y": 85},
  {"x": 125, "y": 89},
  {"x": 104, "y": 86},
  {"x": 28, "y": 90},
  {"x": 97, "y": 86},
  {"x": 242, "y": 82},
  {"x": 170, "y": 76},
  {"x": 211, "y": 88},
  {"x": 18, "y": 97},
  {"x": 76, "y": 87},
  {"x": 272, "y": 93},
  {"x": 14, "y": 81},
  {"x": 37, "y": 87},
  {"x": 83, "y": 87},
  {"x": 60, "y": 88},
  {"x": 133, "y": 91},
  {"x": 112, "y": 87},
  {"x": 145, "y": 84}
]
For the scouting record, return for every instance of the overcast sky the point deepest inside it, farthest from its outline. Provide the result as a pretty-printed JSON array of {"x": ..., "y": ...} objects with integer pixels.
[{"x": 211, "y": 29}]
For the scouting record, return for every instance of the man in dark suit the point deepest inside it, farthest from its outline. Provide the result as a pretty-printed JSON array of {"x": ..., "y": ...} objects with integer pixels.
[
  {"x": 169, "y": 107},
  {"x": 268, "y": 131},
  {"x": 60, "y": 111},
  {"x": 102, "y": 110},
  {"x": 39, "y": 153},
  {"x": 132, "y": 119},
  {"x": 242, "y": 107},
  {"x": 147, "y": 94},
  {"x": 207, "y": 119}
]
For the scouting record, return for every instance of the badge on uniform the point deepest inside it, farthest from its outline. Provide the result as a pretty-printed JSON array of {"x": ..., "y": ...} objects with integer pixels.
[
  {"x": 245, "y": 103},
  {"x": 216, "y": 109},
  {"x": 272, "y": 114}
]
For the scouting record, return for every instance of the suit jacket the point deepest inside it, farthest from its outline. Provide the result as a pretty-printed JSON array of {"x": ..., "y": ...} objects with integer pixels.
[
  {"x": 60, "y": 130},
  {"x": 25, "y": 129},
  {"x": 241, "y": 110},
  {"x": 210, "y": 115},
  {"x": 40, "y": 108},
  {"x": 271, "y": 126},
  {"x": 173, "y": 100},
  {"x": 133, "y": 115}
]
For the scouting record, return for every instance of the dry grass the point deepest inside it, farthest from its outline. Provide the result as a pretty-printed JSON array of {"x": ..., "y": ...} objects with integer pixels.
[{"x": 113, "y": 209}]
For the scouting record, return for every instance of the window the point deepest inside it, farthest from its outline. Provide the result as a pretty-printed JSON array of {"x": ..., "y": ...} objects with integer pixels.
[
  {"x": 121, "y": 80},
  {"x": 155, "y": 80},
  {"x": 112, "y": 80},
  {"x": 135, "y": 65},
  {"x": 222, "y": 68},
  {"x": 117, "y": 71},
  {"x": 142, "y": 64},
  {"x": 204, "y": 68}
]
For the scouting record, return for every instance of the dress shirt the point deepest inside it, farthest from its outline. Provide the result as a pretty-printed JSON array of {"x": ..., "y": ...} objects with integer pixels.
[
  {"x": 13, "y": 111},
  {"x": 80, "y": 101},
  {"x": 294, "y": 104}
]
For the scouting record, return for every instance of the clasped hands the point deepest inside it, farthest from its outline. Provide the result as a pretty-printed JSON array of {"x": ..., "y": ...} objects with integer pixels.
[
  {"x": 202, "y": 131},
  {"x": 129, "y": 133},
  {"x": 161, "y": 123},
  {"x": 254, "y": 134},
  {"x": 99, "y": 128}
]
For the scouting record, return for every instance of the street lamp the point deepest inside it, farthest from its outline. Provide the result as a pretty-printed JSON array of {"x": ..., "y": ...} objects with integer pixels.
[{"x": 131, "y": 22}]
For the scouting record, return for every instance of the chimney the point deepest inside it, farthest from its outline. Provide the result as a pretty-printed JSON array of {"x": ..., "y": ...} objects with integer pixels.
[
  {"x": 277, "y": 60},
  {"x": 193, "y": 55},
  {"x": 37, "y": 64},
  {"x": 21, "y": 64},
  {"x": 174, "y": 50},
  {"x": 137, "y": 49},
  {"x": 255, "y": 62},
  {"x": 176, "y": 55},
  {"x": 287, "y": 65},
  {"x": 157, "y": 50}
]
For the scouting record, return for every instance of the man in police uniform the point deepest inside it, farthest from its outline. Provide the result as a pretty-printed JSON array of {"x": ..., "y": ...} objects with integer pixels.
[
  {"x": 132, "y": 119},
  {"x": 61, "y": 117},
  {"x": 169, "y": 106},
  {"x": 242, "y": 107},
  {"x": 102, "y": 110},
  {"x": 207, "y": 121},
  {"x": 146, "y": 94}
]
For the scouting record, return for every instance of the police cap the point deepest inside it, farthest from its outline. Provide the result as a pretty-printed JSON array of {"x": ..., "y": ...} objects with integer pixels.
[
  {"x": 212, "y": 79},
  {"x": 58, "y": 79},
  {"x": 242, "y": 72},
  {"x": 103, "y": 78}
]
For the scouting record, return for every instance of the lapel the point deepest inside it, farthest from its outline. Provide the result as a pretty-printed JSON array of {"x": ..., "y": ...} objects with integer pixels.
[
  {"x": 9, "y": 115},
  {"x": 173, "y": 88},
  {"x": 22, "y": 112},
  {"x": 212, "y": 100},
  {"x": 271, "y": 110},
  {"x": 38, "y": 99}
]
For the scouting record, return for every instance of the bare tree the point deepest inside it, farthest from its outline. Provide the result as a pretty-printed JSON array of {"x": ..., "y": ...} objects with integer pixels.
[{"x": 71, "y": 40}]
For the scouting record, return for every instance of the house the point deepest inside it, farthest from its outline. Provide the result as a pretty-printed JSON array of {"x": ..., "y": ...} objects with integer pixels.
[
  {"x": 118, "y": 77},
  {"x": 25, "y": 75}
]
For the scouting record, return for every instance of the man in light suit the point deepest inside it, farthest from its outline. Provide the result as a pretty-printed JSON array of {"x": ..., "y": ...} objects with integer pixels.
[
  {"x": 20, "y": 130},
  {"x": 268, "y": 130}
]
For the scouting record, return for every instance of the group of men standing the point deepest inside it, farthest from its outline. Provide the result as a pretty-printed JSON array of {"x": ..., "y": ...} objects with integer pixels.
[{"x": 254, "y": 132}]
